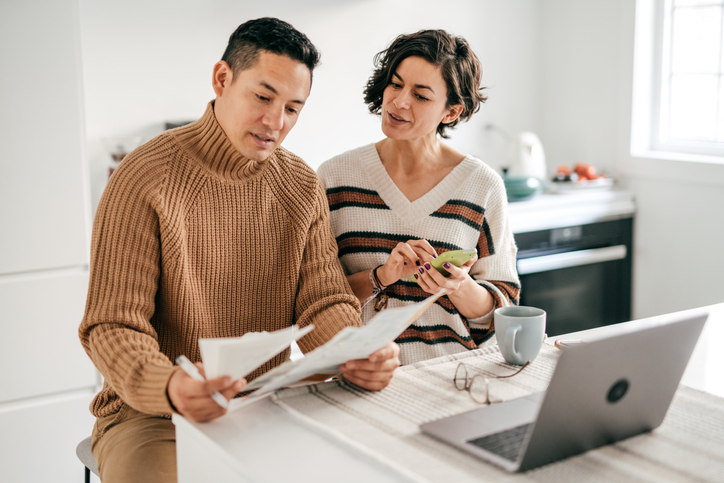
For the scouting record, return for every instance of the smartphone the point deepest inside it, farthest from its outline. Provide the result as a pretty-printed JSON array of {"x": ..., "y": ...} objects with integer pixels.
[{"x": 456, "y": 257}]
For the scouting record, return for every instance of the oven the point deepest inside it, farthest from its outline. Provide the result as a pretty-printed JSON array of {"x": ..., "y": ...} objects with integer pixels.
[{"x": 579, "y": 274}]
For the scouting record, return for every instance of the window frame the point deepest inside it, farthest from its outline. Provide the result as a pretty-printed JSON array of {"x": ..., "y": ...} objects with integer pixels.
[{"x": 652, "y": 63}]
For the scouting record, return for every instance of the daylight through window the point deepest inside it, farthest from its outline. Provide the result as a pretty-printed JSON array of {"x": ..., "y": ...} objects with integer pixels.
[{"x": 691, "y": 105}]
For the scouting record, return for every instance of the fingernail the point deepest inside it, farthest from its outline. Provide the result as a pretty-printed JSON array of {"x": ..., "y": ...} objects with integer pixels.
[
  {"x": 415, "y": 276},
  {"x": 446, "y": 265},
  {"x": 417, "y": 262},
  {"x": 427, "y": 266},
  {"x": 421, "y": 270},
  {"x": 404, "y": 263}
]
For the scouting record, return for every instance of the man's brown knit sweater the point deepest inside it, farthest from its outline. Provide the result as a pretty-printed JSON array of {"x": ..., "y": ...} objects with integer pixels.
[{"x": 193, "y": 240}]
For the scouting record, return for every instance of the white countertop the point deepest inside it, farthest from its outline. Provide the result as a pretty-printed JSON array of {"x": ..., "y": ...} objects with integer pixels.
[
  {"x": 262, "y": 442},
  {"x": 556, "y": 210}
]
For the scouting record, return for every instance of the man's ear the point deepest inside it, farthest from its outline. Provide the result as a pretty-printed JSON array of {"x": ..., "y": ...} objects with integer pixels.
[
  {"x": 222, "y": 77},
  {"x": 452, "y": 113}
]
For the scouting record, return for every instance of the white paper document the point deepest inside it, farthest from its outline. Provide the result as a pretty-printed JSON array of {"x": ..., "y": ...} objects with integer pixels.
[
  {"x": 238, "y": 356},
  {"x": 349, "y": 343}
]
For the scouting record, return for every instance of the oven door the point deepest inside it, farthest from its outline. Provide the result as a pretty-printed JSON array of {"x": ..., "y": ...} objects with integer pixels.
[{"x": 578, "y": 289}]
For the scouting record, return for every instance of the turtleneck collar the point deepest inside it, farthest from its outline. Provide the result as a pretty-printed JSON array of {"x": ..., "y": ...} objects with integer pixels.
[{"x": 207, "y": 141}]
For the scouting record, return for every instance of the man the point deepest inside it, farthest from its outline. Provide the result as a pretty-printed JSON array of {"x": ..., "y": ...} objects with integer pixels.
[{"x": 211, "y": 230}]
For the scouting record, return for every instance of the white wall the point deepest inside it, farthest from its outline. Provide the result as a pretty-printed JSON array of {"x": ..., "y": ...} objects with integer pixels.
[
  {"x": 586, "y": 77},
  {"x": 562, "y": 68},
  {"x": 588, "y": 47},
  {"x": 143, "y": 69}
]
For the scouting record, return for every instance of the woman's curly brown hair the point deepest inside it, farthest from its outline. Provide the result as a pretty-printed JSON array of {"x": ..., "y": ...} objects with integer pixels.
[{"x": 458, "y": 63}]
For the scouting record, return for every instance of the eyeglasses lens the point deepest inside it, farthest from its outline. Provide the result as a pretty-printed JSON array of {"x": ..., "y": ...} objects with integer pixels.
[
  {"x": 479, "y": 389},
  {"x": 461, "y": 377}
]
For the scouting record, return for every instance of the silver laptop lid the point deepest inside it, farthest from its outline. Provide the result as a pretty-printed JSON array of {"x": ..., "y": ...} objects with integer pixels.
[{"x": 618, "y": 384}]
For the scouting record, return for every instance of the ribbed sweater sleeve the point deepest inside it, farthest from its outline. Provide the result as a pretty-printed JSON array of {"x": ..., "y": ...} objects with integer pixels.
[
  {"x": 125, "y": 265},
  {"x": 319, "y": 298},
  {"x": 323, "y": 296}
]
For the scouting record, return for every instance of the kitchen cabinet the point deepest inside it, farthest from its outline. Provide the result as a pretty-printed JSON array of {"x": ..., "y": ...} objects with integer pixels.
[
  {"x": 43, "y": 193},
  {"x": 47, "y": 381},
  {"x": 41, "y": 313}
]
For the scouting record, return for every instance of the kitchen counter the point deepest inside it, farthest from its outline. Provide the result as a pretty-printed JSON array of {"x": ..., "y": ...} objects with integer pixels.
[
  {"x": 332, "y": 433},
  {"x": 557, "y": 210}
]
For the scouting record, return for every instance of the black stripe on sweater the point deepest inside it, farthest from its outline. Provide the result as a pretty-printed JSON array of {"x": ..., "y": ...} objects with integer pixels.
[
  {"x": 450, "y": 212},
  {"x": 467, "y": 204},
  {"x": 489, "y": 246},
  {"x": 453, "y": 216},
  {"x": 442, "y": 340},
  {"x": 378, "y": 242},
  {"x": 351, "y": 196}
]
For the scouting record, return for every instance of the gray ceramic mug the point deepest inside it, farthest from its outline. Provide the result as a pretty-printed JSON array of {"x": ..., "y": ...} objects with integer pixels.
[{"x": 519, "y": 331}]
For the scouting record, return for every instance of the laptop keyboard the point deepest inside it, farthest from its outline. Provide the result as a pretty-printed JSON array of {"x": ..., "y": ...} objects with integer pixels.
[{"x": 506, "y": 443}]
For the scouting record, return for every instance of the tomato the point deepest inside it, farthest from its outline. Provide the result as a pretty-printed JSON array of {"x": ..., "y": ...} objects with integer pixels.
[
  {"x": 585, "y": 171},
  {"x": 590, "y": 172}
]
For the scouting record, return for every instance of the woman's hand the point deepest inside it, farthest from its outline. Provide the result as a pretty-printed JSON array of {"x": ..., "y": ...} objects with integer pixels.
[
  {"x": 405, "y": 259},
  {"x": 432, "y": 281}
]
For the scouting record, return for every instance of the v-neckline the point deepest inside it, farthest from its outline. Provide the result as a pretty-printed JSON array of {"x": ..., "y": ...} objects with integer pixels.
[{"x": 426, "y": 204}]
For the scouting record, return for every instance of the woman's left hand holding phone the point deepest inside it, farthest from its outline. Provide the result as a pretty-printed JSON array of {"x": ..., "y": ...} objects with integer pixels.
[{"x": 432, "y": 281}]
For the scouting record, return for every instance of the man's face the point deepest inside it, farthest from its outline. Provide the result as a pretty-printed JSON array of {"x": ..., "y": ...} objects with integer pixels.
[{"x": 259, "y": 106}]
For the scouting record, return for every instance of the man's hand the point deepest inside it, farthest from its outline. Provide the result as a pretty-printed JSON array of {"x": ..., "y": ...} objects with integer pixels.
[
  {"x": 375, "y": 372},
  {"x": 192, "y": 399}
]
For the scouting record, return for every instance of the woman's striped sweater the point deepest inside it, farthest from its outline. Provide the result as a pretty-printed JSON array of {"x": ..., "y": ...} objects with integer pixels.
[{"x": 467, "y": 209}]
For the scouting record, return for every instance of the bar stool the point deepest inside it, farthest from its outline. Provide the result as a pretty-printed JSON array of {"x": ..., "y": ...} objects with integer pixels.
[{"x": 83, "y": 451}]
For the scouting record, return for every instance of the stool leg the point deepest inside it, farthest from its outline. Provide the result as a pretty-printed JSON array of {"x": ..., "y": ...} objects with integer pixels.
[{"x": 87, "y": 475}]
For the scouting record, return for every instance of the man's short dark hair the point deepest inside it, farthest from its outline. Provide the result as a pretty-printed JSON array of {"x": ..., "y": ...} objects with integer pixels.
[
  {"x": 270, "y": 35},
  {"x": 459, "y": 65}
]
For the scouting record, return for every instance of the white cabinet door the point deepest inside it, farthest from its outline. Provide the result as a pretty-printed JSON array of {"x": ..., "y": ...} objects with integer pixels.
[
  {"x": 43, "y": 184},
  {"x": 39, "y": 348},
  {"x": 38, "y": 439}
]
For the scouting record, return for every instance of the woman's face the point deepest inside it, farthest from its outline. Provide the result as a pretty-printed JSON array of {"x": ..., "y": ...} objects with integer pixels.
[{"x": 415, "y": 101}]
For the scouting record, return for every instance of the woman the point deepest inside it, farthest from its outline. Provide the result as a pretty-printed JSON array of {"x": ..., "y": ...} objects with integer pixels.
[{"x": 396, "y": 204}]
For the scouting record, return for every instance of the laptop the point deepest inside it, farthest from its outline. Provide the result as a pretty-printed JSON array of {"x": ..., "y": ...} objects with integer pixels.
[{"x": 616, "y": 384}]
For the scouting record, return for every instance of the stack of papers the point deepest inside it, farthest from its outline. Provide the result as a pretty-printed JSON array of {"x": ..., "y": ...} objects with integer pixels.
[
  {"x": 349, "y": 343},
  {"x": 239, "y": 356}
]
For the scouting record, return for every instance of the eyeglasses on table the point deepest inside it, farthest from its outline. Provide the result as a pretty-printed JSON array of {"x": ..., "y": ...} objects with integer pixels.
[{"x": 478, "y": 385}]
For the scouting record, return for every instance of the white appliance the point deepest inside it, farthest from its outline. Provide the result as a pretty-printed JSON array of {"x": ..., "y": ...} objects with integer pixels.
[{"x": 527, "y": 158}]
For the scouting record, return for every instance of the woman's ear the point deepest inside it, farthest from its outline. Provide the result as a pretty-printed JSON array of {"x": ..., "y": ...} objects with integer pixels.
[{"x": 452, "y": 113}]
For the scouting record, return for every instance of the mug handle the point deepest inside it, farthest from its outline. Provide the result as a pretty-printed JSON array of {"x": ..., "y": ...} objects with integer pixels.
[{"x": 510, "y": 341}]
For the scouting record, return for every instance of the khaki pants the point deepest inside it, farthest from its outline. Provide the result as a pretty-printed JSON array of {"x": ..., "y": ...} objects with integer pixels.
[{"x": 130, "y": 446}]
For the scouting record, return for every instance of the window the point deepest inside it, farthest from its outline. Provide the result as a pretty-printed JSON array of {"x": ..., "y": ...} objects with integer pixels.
[{"x": 686, "y": 79}]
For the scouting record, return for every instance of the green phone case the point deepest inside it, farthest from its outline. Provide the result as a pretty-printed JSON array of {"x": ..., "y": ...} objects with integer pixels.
[{"x": 456, "y": 257}]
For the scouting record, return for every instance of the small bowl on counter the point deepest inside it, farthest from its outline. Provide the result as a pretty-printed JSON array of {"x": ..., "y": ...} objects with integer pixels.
[{"x": 521, "y": 188}]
